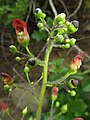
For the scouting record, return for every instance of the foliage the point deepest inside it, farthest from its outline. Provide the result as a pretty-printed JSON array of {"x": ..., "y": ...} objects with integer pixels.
[
  {"x": 78, "y": 105},
  {"x": 41, "y": 34},
  {"x": 13, "y": 9},
  {"x": 87, "y": 4},
  {"x": 61, "y": 80}
]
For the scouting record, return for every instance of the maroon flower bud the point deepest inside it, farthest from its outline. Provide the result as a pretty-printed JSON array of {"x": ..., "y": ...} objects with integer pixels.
[
  {"x": 75, "y": 23},
  {"x": 55, "y": 91},
  {"x": 21, "y": 32},
  {"x": 78, "y": 119},
  {"x": 6, "y": 78},
  {"x": 3, "y": 106}
]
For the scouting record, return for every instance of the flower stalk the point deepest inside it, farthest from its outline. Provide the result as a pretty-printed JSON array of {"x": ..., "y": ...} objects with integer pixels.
[{"x": 45, "y": 69}]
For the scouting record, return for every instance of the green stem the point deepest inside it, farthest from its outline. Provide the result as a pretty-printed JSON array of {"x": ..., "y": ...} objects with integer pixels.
[
  {"x": 28, "y": 78},
  {"x": 38, "y": 116},
  {"x": 31, "y": 55}
]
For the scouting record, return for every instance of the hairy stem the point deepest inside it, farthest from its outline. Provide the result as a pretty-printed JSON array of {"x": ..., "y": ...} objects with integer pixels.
[{"x": 38, "y": 116}]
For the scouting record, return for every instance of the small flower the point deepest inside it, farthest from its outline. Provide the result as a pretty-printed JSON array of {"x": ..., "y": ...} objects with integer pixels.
[
  {"x": 72, "y": 83},
  {"x": 3, "y": 106},
  {"x": 6, "y": 78},
  {"x": 55, "y": 91},
  {"x": 78, "y": 119},
  {"x": 75, "y": 23},
  {"x": 21, "y": 32},
  {"x": 76, "y": 62}
]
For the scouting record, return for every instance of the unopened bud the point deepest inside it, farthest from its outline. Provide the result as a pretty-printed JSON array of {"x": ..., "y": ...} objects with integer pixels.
[
  {"x": 13, "y": 49},
  {"x": 24, "y": 111},
  {"x": 64, "y": 108},
  {"x": 57, "y": 104},
  {"x": 18, "y": 59},
  {"x": 55, "y": 91},
  {"x": 26, "y": 69},
  {"x": 72, "y": 41}
]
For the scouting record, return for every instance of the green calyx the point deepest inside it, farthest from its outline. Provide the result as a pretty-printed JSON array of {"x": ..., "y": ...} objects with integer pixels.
[
  {"x": 57, "y": 104},
  {"x": 70, "y": 27},
  {"x": 13, "y": 49},
  {"x": 64, "y": 108},
  {"x": 18, "y": 59},
  {"x": 72, "y": 93},
  {"x": 26, "y": 69},
  {"x": 24, "y": 111},
  {"x": 24, "y": 42},
  {"x": 72, "y": 41},
  {"x": 66, "y": 46},
  {"x": 59, "y": 38},
  {"x": 60, "y": 19},
  {"x": 39, "y": 14},
  {"x": 40, "y": 25}
]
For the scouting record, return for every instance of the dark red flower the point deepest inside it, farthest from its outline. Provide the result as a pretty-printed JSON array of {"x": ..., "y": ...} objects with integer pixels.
[
  {"x": 21, "y": 31},
  {"x": 6, "y": 78},
  {"x": 78, "y": 119},
  {"x": 55, "y": 91},
  {"x": 3, "y": 106},
  {"x": 76, "y": 62}
]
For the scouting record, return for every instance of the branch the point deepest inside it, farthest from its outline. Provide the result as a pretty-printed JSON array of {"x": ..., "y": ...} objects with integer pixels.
[
  {"x": 63, "y": 4},
  {"x": 79, "y": 50},
  {"x": 28, "y": 14},
  {"x": 76, "y": 10},
  {"x": 53, "y": 7}
]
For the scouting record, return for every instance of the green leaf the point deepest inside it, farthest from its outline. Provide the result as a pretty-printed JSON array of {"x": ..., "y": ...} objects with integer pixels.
[
  {"x": 62, "y": 117},
  {"x": 40, "y": 35},
  {"x": 49, "y": 22},
  {"x": 77, "y": 107},
  {"x": 86, "y": 85}
]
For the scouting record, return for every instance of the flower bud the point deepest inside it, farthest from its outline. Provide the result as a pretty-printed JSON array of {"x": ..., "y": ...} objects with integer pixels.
[
  {"x": 18, "y": 59},
  {"x": 66, "y": 46},
  {"x": 31, "y": 62},
  {"x": 59, "y": 38},
  {"x": 38, "y": 10},
  {"x": 24, "y": 111},
  {"x": 75, "y": 23},
  {"x": 39, "y": 14},
  {"x": 71, "y": 28},
  {"x": 13, "y": 49},
  {"x": 6, "y": 78},
  {"x": 7, "y": 87},
  {"x": 72, "y": 41},
  {"x": 40, "y": 25},
  {"x": 72, "y": 92},
  {"x": 57, "y": 104},
  {"x": 55, "y": 91},
  {"x": 67, "y": 40},
  {"x": 64, "y": 108},
  {"x": 60, "y": 19},
  {"x": 26, "y": 69}
]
